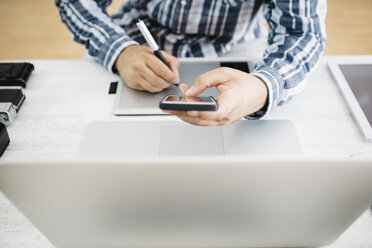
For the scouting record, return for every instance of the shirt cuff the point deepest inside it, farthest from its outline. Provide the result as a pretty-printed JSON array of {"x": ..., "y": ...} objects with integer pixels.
[
  {"x": 112, "y": 48},
  {"x": 274, "y": 84}
]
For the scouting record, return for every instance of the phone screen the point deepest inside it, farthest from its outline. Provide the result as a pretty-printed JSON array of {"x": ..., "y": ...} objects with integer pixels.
[
  {"x": 189, "y": 99},
  {"x": 174, "y": 102}
]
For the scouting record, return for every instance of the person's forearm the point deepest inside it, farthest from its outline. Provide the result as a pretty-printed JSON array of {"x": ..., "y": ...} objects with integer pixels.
[
  {"x": 90, "y": 26},
  {"x": 296, "y": 42}
]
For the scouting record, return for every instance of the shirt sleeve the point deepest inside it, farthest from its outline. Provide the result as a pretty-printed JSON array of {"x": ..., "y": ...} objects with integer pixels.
[
  {"x": 295, "y": 44},
  {"x": 91, "y": 26}
]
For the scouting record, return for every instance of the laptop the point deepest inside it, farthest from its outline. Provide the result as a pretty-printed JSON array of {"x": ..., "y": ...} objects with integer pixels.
[
  {"x": 133, "y": 102},
  {"x": 109, "y": 139},
  {"x": 188, "y": 201}
]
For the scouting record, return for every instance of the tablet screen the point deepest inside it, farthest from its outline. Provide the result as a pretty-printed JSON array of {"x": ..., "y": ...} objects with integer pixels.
[{"x": 359, "y": 78}]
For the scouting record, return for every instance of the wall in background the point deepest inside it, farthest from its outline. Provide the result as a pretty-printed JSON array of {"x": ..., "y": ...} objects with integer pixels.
[{"x": 32, "y": 29}]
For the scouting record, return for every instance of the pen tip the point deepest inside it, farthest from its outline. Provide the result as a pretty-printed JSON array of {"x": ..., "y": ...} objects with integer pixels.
[{"x": 138, "y": 20}]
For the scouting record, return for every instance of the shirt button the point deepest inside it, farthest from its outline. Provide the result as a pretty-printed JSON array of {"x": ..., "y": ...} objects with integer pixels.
[{"x": 184, "y": 2}]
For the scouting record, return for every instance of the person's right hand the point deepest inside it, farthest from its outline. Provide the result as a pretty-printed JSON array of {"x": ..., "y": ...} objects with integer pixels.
[{"x": 140, "y": 69}]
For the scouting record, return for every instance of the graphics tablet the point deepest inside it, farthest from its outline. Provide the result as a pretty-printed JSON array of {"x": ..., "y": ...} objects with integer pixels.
[
  {"x": 132, "y": 102},
  {"x": 353, "y": 75}
]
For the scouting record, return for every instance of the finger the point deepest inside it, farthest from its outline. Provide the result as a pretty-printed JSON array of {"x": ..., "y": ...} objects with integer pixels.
[
  {"x": 160, "y": 69},
  {"x": 171, "y": 59},
  {"x": 194, "y": 120},
  {"x": 154, "y": 79},
  {"x": 226, "y": 103},
  {"x": 134, "y": 82},
  {"x": 149, "y": 87},
  {"x": 184, "y": 88},
  {"x": 225, "y": 114},
  {"x": 135, "y": 86},
  {"x": 166, "y": 111},
  {"x": 175, "y": 70},
  {"x": 209, "y": 79}
]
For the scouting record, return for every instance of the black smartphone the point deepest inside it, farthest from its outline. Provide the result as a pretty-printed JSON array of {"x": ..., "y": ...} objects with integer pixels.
[{"x": 173, "y": 102}]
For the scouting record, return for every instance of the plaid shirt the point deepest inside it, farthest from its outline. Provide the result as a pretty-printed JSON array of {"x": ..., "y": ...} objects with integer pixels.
[{"x": 209, "y": 28}]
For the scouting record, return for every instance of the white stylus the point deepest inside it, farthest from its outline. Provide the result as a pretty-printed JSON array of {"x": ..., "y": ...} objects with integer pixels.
[{"x": 150, "y": 41}]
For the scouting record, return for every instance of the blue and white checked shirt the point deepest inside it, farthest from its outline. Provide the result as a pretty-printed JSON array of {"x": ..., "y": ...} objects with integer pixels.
[{"x": 209, "y": 28}]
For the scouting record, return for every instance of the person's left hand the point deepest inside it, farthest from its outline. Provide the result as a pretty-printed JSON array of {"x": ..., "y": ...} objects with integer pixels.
[{"x": 241, "y": 94}]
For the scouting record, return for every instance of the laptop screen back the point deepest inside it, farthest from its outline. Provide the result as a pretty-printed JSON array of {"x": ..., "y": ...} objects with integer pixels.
[{"x": 189, "y": 201}]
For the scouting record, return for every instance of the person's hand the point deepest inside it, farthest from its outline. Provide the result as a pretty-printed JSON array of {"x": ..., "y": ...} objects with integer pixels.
[
  {"x": 241, "y": 94},
  {"x": 140, "y": 69}
]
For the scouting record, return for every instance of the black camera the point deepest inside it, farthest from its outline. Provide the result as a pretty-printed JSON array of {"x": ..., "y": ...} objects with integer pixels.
[
  {"x": 15, "y": 74},
  {"x": 11, "y": 100},
  {"x": 13, "y": 77}
]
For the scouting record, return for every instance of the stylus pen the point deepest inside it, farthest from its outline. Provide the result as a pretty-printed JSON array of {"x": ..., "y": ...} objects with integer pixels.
[
  {"x": 152, "y": 44},
  {"x": 150, "y": 41}
]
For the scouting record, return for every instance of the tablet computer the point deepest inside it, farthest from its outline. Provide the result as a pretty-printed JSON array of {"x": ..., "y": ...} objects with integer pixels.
[
  {"x": 353, "y": 75},
  {"x": 133, "y": 102}
]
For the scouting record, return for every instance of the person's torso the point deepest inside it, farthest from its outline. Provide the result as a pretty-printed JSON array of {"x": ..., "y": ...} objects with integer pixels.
[
  {"x": 192, "y": 23},
  {"x": 218, "y": 17}
]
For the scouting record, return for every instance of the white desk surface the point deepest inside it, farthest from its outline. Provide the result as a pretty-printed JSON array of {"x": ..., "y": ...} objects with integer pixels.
[{"x": 64, "y": 96}]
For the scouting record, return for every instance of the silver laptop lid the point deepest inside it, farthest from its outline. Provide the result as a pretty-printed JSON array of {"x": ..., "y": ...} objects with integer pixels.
[{"x": 190, "y": 201}]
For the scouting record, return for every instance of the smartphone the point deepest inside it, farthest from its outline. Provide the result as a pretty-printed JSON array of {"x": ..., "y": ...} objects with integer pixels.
[{"x": 173, "y": 102}]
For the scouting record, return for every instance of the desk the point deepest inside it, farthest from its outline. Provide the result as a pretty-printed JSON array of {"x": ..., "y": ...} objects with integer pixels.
[{"x": 65, "y": 96}]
